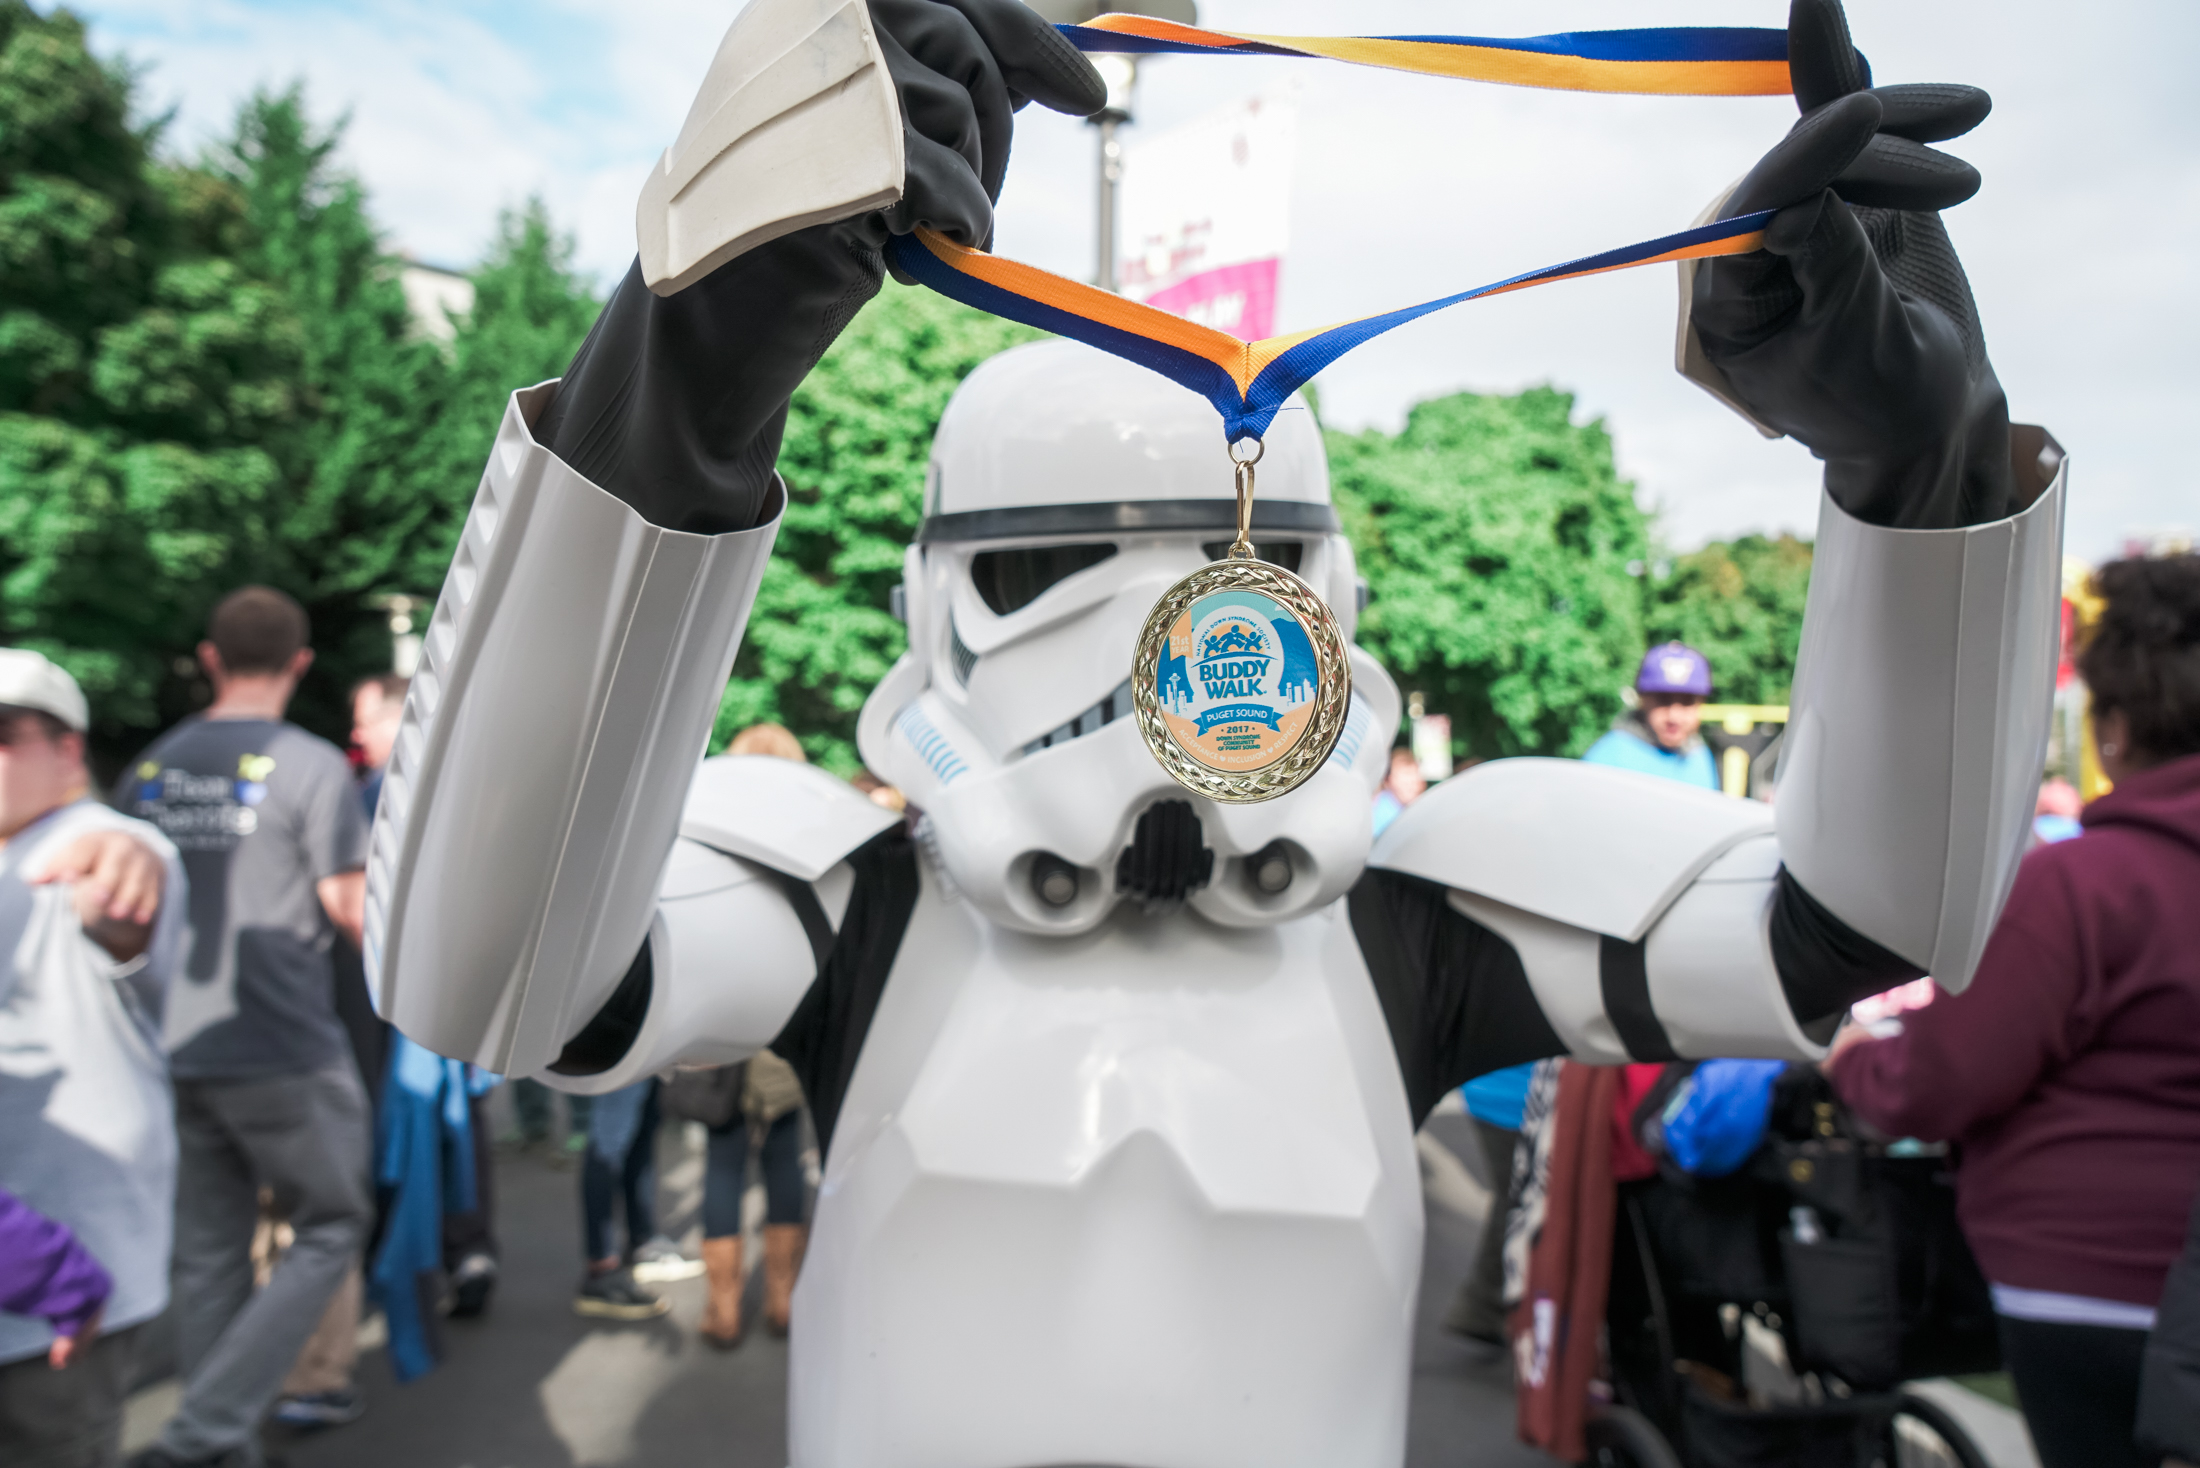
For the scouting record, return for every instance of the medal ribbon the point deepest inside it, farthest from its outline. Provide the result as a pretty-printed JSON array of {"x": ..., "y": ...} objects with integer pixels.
[
  {"x": 1677, "y": 61},
  {"x": 1248, "y": 382}
]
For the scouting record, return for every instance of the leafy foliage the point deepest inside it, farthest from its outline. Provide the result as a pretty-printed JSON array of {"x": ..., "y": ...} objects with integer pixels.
[
  {"x": 531, "y": 312},
  {"x": 209, "y": 375},
  {"x": 1495, "y": 536},
  {"x": 145, "y": 370},
  {"x": 1739, "y": 603},
  {"x": 858, "y": 436}
]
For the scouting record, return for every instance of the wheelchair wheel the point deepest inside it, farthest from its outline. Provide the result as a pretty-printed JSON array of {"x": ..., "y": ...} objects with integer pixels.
[
  {"x": 1621, "y": 1437},
  {"x": 1924, "y": 1434}
]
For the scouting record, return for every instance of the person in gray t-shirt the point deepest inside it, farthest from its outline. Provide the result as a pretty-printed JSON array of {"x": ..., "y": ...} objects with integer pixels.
[
  {"x": 267, "y": 1096},
  {"x": 267, "y": 817}
]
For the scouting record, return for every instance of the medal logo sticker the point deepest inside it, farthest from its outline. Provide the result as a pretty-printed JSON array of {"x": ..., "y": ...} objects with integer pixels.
[
  {"x": 1240, "y": 681},
  {"x": 1237, "y": 683}
]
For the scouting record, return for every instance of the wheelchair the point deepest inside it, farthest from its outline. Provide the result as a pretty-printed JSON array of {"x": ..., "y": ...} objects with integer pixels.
[{"x": 1777, "y": 1316}]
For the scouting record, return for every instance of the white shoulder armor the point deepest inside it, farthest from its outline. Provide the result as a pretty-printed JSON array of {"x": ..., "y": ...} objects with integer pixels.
[
  {"x": 567, "y": 685},
  {"x": 1587, "y": 845},
  {"x": 1638, "y": 907},
  {"x": 1923, "y": 695},
  {"x": 793, "y": 818},
  {"x": 797, "y": 123}
]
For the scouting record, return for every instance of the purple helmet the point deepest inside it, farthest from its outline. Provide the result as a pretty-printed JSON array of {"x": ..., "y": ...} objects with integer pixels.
[{"x": 1674, "y": 667}]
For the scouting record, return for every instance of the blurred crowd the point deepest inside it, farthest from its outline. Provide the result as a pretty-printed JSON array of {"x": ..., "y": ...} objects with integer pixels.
[
  {"x": 214, "y": 1156},
  {"x": 206, "y": 1130}
]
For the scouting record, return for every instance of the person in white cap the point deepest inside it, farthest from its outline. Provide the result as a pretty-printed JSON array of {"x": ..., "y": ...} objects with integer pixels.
[{"x": 91, "y": 907}]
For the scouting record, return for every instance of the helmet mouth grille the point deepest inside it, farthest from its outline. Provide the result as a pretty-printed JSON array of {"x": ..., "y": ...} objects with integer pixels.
[
  {"x": 1112, "y": 706},
  {"x": 1168, "y": 858}
]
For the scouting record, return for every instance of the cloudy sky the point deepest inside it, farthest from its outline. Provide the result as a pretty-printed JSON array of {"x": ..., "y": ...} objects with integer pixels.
[{"x": 2079, "y": 247}]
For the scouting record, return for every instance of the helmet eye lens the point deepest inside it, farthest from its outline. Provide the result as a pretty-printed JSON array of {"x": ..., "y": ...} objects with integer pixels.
[
  {"x": 1010, "y": 580},
  {"x": 1284, "y": 553}
]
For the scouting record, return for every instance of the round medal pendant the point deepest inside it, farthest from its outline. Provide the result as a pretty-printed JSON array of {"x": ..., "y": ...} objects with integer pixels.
[{"x": 1241, "y": 681}]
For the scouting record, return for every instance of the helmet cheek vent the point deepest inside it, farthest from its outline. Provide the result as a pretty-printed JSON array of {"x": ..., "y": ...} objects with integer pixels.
[{"x": 964, "y": 659}]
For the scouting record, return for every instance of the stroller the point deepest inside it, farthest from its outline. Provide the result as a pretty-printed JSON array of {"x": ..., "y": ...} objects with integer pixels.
[{"x": 1772, "y": 1316}]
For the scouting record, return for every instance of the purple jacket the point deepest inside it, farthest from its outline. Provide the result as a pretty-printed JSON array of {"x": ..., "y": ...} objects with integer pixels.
[
  {"x": 2070, "y": 1069},
  {"x": 45, "y": 1271}
]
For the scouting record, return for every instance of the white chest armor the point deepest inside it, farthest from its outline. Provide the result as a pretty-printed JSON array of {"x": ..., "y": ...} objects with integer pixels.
[{"x": 1148, "y": 1194}]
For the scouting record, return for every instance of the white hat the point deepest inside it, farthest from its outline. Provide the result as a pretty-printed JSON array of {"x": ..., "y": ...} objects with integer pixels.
[{"x": 28, "y": 680}]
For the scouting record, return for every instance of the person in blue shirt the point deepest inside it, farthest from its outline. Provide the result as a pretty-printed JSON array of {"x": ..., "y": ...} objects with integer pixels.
[
  {"x": 1658, "y": 735},
  {"x": 1403, "y": 786}
]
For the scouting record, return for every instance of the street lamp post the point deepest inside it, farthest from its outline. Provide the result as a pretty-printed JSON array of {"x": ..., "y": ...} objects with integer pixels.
[
  {"x": 1120, "y": 71},
  {"x": 1121, "y": 75}
]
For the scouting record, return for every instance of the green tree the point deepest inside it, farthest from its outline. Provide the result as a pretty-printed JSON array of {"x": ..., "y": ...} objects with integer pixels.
[
  {"x": 143, "y": 369},
  {"x": 1740, "y": 603},
  {"x": 209, "y": 375},
  {"x": 530, "y": 314},
  {"x": 858, "y": 435},
  {"x": 355, "y": 461},
  {"x": 1495, "y": 537}
]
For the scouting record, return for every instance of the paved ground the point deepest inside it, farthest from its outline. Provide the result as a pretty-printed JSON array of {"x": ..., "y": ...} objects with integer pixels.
[{"x": 532, "y": 1385}]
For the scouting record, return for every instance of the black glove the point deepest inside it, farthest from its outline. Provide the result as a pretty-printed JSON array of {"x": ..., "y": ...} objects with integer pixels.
[
  {"x": 676, "y": 405},
  {"x": 1854, "y": 331}
]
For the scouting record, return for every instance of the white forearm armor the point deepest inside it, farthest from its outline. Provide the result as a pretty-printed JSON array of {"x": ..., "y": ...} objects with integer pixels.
[
  {"x": 1640, "y": 908},
  {"x": 1637, "y": 906},
  {"x": 567, "y": 687},
  {"x": 1922, "y": 698}
]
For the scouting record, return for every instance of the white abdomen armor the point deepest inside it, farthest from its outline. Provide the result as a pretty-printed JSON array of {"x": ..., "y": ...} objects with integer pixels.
[{"x": 1145, "y": 1195}]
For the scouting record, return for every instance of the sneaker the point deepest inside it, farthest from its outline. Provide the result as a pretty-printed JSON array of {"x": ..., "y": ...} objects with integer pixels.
[
  {"x": 660, "y": 1262},
  {"x": 313, "y": 1411},
  {"x": 615, "y": 1296},
  {"x": 472, "y": 1283}
]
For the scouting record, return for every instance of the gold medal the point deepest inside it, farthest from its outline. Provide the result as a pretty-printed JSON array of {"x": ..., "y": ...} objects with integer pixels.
[{"x": 1241, "y": 681}]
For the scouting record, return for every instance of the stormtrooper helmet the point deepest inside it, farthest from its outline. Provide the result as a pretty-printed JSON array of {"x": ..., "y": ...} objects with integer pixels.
[{"x": 1067, "y": 491}]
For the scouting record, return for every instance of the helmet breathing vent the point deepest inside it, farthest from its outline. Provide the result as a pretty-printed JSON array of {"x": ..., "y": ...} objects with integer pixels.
[{"x": 964, "y": 658}]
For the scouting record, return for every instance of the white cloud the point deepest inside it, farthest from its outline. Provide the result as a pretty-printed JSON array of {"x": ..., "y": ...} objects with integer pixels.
[{"x": 1408, "y": 188}]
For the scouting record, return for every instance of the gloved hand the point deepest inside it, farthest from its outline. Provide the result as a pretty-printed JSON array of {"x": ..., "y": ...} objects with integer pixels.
[
  {"x": 963, "y": 67},
  {"x": 1854, "y": 330},
  {"x": 677, "y": 404}
]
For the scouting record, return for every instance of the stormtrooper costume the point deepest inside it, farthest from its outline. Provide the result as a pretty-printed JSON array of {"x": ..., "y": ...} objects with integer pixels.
[{"x": 1118, "y": 1087}]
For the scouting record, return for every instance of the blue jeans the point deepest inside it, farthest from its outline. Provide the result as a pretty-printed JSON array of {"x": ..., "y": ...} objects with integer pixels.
[
  {"x": 621, "y": 1162},
  {"x": 726, "y": 1176}
]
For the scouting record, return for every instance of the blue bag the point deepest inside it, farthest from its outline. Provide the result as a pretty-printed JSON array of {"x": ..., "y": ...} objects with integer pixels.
[{"x": 1717, "y": 1120}]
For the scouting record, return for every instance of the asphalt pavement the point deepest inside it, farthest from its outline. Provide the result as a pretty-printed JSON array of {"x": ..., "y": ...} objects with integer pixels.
[{"x": 532, "y": 1385}]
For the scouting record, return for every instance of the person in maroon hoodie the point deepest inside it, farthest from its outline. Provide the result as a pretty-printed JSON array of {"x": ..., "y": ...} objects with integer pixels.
[{"x": 2069, "y": 1071}]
